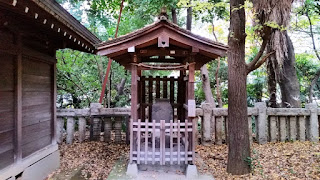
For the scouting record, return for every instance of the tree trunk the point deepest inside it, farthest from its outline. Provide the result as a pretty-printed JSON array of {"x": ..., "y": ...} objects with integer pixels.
[
  {"x": 288, "y": 80},
  {"x": 174, "y": 16},
  {"x": 219, "y": 98},
  {"x": 206, "y": 85},
  {"x": 239, "y": 145},
  {"x": 189, "y": 16},
  {"x": 272, "y": 85}
]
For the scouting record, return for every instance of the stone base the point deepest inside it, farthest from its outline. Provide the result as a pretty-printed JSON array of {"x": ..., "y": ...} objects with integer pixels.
[
  {"x": 132, "y": 170},
  {"x": 192, "y": 172},
  {"x": 41, "y": 169}
]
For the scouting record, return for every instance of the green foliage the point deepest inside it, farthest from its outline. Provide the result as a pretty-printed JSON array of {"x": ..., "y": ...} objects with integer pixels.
[{"x": 254, "y": 163}]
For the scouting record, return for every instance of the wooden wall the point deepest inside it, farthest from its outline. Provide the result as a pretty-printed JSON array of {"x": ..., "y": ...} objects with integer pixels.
[
  {"x": 7, "y": 103},
  {"x": 27, "y": 98}
]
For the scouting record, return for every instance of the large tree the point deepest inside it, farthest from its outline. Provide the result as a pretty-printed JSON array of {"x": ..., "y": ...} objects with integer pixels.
[{"x": 281, "y": 64}]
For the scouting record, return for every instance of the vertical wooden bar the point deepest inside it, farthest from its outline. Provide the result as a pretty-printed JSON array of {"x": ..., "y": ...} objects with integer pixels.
[
  {"x": 134, "y": 92},
  {"x": 131, "y": 140},
  {"x": 139, "y": 141},
  {"x": 293, "y": 128},
  {"x": 163, "y": 142},
  {"x": 18, "y": 103},
  {"x": 150, "y": 96},
  {"x": 143, "y": 98},
  {"x": 153, "y": 141},
  {"x": 54, "y": 108},
  {"x": 165, "y": 87},
  {"x": 273, "y": 129},
  {"x": 178, "y": 141},
  {"x": 282, "y": 129},
  {"x": 146, "y": 143},
  {"x": 158, "y": 87},
  {"x": 219, "y": 126},
  {"x": 186, "y": 142},
  {"x": 302, "y": 128},
  {"x": 171, "y": 142},
  {"x": 192, "y": 98},
  {"x": 139, "y": 94},
  {"x": 171, "y": 90},
  {"x": 70, "y": 129},
  {"x": 82, "y": 128}
]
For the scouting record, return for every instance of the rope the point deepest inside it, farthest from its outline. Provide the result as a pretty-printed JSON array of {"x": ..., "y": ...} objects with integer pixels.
[{"x": 162, "y": 67}]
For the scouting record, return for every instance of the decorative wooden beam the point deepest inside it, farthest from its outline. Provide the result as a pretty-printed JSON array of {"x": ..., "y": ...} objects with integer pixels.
[{"x": 163, "y": 52}]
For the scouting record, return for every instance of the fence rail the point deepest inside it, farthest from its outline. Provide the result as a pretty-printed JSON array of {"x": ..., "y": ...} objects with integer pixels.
[{"x": 265, "y": 124}]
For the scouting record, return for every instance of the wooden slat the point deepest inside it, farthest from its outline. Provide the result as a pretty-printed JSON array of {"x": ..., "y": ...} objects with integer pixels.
[
  {"x": 293, "y": 128},
  {"x": 302, "y": 128},
  {"x": 157, "y": 86},
  {"x": 273, "y": 129},
  {"x": 186, "y": 142},
  {"x": 7, "y": 101},
  {"x": 171, "y": 90},
  {"x": 163, "y": 141},
  {"x": 139, "y": 140},
  {"x": 282, "y": 129},
  {"x": 6, "y": 141},
  {"x": 153, "y": 140},
  {"x": 178, "y": 141},
  {"x": 171, "y": 142},
  {"x": 6, "y": 120},
  {"x": 143, "y": 98},
  {"x": 150, "y": 87},
  {"x": 19, "y": 103},
  {"x": 146, "y": 143},
  {"x": 36, "y": 98},
  {"x": 165, "y": 87}
]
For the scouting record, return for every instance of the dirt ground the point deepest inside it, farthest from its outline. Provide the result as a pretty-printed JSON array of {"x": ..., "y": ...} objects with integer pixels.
[{"x": 297, "y": 160}]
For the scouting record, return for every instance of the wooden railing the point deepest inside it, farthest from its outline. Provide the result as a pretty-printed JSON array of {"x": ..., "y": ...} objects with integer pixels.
[
  {"x": 265, "y": 124},
  {"x": 161, "y": 142}
]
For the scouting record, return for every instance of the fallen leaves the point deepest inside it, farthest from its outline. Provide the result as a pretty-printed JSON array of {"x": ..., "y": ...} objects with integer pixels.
[
  {"x": 297, "y": 160},
  {"x": 95, "y": 159}
]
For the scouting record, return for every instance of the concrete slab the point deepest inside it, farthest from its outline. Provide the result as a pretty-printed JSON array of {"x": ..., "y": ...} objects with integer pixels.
[
  {"x": 153, "y": 172},
  {"x": 41, "y": 169}
]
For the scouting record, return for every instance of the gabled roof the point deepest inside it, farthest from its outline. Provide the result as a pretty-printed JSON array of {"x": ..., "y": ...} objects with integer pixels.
[
  {"x": 51, "y": 15},
  {"x": 180, "y": 38}
]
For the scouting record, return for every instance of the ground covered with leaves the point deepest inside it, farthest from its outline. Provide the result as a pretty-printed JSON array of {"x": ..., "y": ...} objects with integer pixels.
[
  {"x": 94, "y": 159},
  {"x": 297, "y": 160}
]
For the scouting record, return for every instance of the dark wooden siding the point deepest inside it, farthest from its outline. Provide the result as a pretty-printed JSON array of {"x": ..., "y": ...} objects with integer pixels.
[
  {"x": 36, "y": 105},
  {"x": 7, "y": 108}
]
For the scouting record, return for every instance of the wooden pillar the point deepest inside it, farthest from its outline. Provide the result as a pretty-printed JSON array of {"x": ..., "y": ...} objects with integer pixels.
[
  {"x": 18, "y": 103},
  {"x": 192, "y": 108},
  {"x": 54, "y": 99},
  {"x": 134, "y": 92}
]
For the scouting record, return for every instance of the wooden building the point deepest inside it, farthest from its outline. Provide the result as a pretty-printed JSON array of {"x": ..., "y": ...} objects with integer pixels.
[
  {"x": 30, "y": 33},
  {"x": 162, "y": 138}
]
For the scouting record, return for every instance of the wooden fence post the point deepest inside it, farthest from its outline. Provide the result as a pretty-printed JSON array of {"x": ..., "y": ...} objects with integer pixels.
[
  {"x": 261, "y": 124},
  {"x": 313, "y": 125},
  {"x": 206, "y": 123},
  {"x": 70, "y": 129}
]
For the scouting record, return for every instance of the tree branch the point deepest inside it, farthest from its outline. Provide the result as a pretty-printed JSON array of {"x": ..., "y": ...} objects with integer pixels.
[{"x": 258, "y": 64}]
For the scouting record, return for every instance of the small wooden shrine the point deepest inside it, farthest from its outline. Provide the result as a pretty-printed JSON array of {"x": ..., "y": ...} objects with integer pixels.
[{"x": 163, "y": 119}]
